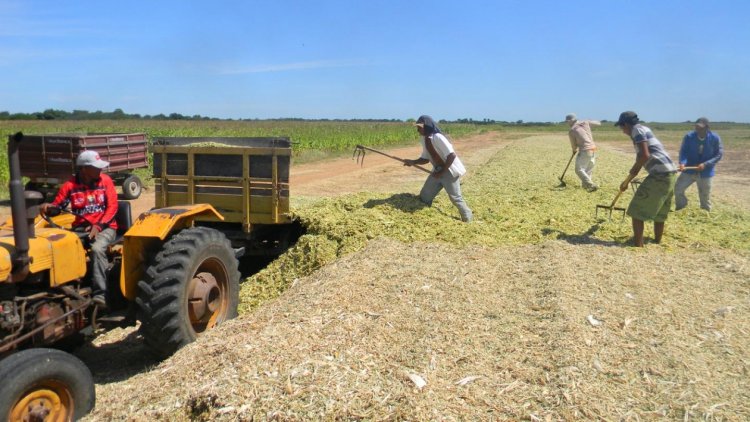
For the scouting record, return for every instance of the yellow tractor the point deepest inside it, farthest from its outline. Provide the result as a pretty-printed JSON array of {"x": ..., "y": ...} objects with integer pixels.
[{"x": 174, "y": 277}]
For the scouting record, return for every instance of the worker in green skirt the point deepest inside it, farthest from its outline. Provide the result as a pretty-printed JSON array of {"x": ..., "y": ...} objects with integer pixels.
[{"x": 653, "y": 199}]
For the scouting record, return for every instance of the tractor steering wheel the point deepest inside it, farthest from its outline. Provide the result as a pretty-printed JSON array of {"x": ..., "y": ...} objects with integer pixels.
[
  {"x": 52, "y": 211},
  {"x": 81, "y": 231}
]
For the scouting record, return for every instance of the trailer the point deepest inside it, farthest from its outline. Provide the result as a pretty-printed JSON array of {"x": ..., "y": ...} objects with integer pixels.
[
  {"x": 245, "y": 179},
  {"x": 49, "y": 160}
]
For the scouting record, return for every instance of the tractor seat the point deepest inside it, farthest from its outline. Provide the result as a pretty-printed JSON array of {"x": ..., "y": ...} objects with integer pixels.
[{"x": 123, "y": 218}]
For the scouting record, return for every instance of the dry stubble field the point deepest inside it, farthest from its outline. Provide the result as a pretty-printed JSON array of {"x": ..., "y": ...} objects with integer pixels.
[{"x": 537, "y": 311}]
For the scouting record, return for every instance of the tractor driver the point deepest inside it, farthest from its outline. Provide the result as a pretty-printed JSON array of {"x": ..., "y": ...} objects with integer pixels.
[{"x": 93, "y": 200}]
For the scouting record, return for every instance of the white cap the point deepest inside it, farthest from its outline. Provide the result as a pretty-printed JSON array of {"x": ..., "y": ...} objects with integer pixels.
[{"x": 91, "y": 158}]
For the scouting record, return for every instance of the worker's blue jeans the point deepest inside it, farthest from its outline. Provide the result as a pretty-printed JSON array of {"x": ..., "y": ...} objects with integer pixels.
[
  {"x": 432, "y": 187},
  {"x": 704, "y": 190},
  {"x": 99, "y": 260}
]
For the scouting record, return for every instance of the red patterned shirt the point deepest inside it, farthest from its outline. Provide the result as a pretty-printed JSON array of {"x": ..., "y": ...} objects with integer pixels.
[{"x": 94, "y": 204}]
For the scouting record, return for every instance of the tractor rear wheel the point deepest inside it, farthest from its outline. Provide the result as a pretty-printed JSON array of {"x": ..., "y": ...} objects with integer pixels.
[
  {"x": 44, "y": 384},
  {"x": 191, "y": 286}
]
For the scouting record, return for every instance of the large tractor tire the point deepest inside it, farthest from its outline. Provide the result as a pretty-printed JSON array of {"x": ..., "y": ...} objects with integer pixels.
[
  {"x": 191, "y": 286},
  {"x": 132, "y": 187},
  {"x": 44, "y": 384}
]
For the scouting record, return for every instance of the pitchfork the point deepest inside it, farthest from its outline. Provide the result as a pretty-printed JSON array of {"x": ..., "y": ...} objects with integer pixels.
[
  {"x": 359, "y": 155},
  {"x": 611, "y": 207},
  {"x": 562, "y": 182}
]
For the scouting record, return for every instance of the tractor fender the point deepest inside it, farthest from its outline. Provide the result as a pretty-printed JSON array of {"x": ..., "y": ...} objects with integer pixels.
[{"x": 144, "y": 238}]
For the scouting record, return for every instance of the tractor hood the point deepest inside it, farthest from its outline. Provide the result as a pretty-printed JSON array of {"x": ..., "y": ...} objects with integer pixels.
[
  {"x": 55, "y": 250},
  {"x": 5, "y": 261}
]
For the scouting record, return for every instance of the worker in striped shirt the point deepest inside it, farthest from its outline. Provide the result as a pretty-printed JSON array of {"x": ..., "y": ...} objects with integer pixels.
[{"x": 653, "y": 199}]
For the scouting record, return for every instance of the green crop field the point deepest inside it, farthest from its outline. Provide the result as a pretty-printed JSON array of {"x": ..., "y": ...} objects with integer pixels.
[
  {"x": 317, "y": 139},
  {"x": 313, "y": 139}
]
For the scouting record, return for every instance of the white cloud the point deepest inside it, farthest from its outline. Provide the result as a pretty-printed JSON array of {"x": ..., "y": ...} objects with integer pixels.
[{"x": 285, "y": 67}]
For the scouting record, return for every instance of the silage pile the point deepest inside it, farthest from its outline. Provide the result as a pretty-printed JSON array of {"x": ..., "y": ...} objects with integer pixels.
[
  {"x": 516, "y": 199},
  {"x": 426, "y": 331},
  {"x": 536, "y": 311}
]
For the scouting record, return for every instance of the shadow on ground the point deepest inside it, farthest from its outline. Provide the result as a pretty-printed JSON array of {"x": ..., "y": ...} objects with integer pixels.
[
  {"x": 406, "y": 202},
  {"x": 585, "y": 238},
  {"x": 118, "y": 359}
]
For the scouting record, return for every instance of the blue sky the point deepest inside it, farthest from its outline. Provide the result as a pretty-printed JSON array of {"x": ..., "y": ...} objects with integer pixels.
[{"x": 503, "y": 60}]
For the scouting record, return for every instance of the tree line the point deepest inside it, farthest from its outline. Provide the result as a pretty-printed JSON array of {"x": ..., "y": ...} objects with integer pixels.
[{"x": 119, "y": 114}]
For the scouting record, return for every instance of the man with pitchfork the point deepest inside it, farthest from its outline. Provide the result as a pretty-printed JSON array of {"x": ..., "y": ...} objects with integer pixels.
[
  {"x": 653, "y": 198},
  {"x": 702, "y": 149},
  {"x": 447, "y": 167},
  {"x": 582, "y": 140}
]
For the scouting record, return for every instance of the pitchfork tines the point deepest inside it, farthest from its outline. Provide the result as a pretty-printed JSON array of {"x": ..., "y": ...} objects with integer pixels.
[
  {"x": 611, "y": 207},
  {"x": 359, "y": 155}
]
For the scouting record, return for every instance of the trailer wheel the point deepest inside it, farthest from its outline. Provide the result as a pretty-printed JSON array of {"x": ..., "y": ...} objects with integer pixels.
[
  {"x": 191, "y": 286},
  {"x": 132, "y": 187},
  {"x": 48, "y": 191},
  {"x": 44, "y": 384}
]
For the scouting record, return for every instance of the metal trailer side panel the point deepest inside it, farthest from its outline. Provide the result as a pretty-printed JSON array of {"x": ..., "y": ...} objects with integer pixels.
[
  {"x": 51, "y": 158},
  {"x": 248, "y": 183}
]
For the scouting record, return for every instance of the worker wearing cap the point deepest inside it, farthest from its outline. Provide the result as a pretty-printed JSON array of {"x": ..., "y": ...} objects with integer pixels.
[
  {"x": 700, "y": 148},
  {"x": 653, "y": 198},
  {"x": 92, "y": 198},
  {"x": 582, "y": 140},
  {"x": 447, "y": 167}
]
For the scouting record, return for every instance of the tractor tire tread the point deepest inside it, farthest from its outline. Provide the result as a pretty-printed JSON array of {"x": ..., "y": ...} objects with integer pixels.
[
  {"x": 161, "y": 299},
  {"x": 25, "y": 369}
]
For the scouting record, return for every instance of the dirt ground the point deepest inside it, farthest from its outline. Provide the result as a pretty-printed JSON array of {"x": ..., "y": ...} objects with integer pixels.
[{"x": 374, "y": 173}]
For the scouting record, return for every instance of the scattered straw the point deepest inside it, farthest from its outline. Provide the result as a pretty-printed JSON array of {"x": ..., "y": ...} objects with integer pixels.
[
  {"x": 491, "y": 319},
  {"x": 493, "y": 333}
]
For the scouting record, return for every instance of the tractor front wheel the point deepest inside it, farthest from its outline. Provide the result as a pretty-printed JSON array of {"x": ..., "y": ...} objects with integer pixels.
[
  {"x": 44, "y": 384},
  {"x": 191, "y": 286}
]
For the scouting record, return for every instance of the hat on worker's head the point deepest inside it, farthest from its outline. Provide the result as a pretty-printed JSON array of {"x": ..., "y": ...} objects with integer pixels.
[
  {"x": 702, "y": 123},
  {"x": 91, "y": 158},
  {"x": 571, "y": 117},
  {"x": 627, "y": 118}
]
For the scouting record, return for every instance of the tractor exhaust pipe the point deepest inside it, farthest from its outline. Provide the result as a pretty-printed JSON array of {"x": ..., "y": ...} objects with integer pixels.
[{"x": 23, "y": 224}]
